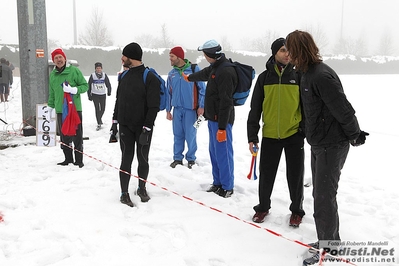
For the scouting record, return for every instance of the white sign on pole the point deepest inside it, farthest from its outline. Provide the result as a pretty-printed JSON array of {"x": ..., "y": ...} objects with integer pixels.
[{"x": 46, "y": 130}]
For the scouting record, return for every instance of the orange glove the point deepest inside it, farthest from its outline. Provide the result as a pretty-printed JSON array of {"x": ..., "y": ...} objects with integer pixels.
[
  {"x": 221, "y": 135},
  {"x": 185, "y": 77}
]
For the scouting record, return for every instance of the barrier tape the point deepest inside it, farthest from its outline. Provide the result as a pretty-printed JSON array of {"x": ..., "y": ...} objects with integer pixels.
[{"x": 215, "y": 209}]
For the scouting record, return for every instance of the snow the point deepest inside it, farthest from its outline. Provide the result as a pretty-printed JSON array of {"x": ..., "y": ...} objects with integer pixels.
[{"x": 58, "y": 216}]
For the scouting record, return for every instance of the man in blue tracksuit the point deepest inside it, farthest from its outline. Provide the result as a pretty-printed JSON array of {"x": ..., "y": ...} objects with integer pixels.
[
  {"x": 187, "y": 100},
  {"x": 219, "y": 111}
]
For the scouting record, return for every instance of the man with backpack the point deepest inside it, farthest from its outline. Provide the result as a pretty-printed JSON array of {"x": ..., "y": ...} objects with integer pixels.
[
  {"x": 276, "y": 99},
  {"x": 187, "y": 100},
  {"x": 136, "y": 108},
  {"x": 219, "y": 111}
]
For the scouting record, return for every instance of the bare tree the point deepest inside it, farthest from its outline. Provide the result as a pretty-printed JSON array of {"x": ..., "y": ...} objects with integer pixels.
[
  {"x": 226, "y": 46},
  {"x": 164, "y": 41},
  {"x": 351, "y": 46},
  {"x": 147, "y": 41},
  {"x": 263, "y": 43},
  {"x": 96, "y": 33},
  {"x": 386, "y": 46},
  {"x": 52, "y": 44},
  {"x": 319, "y": 36}
]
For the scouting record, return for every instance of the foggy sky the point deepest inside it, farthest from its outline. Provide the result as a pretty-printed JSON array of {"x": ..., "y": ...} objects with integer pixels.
[{"x": 191, "y": 23}]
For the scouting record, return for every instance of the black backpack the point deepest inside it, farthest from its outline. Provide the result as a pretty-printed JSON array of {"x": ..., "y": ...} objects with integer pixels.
[{"x": 245, "y": 74}]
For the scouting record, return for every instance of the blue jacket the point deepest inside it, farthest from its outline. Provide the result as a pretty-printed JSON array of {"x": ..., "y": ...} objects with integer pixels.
[{"x": 188, "y": 95}]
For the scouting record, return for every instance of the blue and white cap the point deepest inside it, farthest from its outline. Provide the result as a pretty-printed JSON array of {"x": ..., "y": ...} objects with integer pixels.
[{"x": 211, "y": 48}]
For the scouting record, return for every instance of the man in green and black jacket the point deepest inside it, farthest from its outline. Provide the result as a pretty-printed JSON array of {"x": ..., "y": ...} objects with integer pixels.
[{"x": 276, "y": 98}]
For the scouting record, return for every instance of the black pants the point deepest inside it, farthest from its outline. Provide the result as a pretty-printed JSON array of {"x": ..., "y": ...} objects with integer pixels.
[
  {"x": 99, "y": 106},
  {"x": 129, "y": 139},
  {"x": 270, "y": 155},
  {"x": 326, "y": 163},
  {"x": 77, "y": 141}
]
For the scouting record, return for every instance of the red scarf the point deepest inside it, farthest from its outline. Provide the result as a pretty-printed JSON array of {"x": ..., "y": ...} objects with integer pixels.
[{"x": 72, "y": 120}]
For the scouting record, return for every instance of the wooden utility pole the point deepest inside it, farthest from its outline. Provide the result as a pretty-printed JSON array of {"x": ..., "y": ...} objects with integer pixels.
[{"x": 33, "y": 54}]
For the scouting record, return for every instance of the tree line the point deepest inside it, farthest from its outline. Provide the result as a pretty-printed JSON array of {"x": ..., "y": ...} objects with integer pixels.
[{"x": 86, "y": 56}]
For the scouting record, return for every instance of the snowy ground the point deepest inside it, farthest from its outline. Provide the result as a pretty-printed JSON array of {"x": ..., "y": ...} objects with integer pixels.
[{"x": 62, "y": 216}]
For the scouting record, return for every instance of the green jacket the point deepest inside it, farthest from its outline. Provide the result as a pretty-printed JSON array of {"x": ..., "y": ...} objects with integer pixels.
[
  {"x": 276, "y": 97},
  {"x": 75, "y": 78}
]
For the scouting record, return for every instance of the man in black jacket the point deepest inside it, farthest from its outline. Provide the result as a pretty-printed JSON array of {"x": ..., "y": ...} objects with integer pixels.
[
  {"x": 330, "y": 126},
  {"x": 136, "y": 108},
  {"x": 219, "y": 111}
]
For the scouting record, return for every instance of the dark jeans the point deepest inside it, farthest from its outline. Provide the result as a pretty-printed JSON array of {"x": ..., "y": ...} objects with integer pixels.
[
  {"x": 99, "y": 106},
  {"x": 77, "y": 141},
  {"x": 326, "y": 163},
  {"x": 270, "y": 154},
  {"x": 129, "y": 139}
]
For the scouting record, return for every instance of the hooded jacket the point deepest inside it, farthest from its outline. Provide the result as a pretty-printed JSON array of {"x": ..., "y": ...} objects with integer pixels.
[
  {"x": 75, "y": 78},
  {"x": 276, "y": 97},
  {"x": 189, "y": 95}
]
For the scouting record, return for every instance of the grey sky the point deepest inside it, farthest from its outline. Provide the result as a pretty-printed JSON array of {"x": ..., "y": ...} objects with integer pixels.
[{"x": 190, "y": 23}]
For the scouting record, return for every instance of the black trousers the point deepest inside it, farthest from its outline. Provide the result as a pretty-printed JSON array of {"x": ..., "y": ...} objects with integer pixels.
[
  {"x": 326, "y": 164},
  {"x": 270, "y": 154},
  {"x": 77, "y": 141},
  {"x": 129, "y": 140},
  {"x": 99, "y": 106}
]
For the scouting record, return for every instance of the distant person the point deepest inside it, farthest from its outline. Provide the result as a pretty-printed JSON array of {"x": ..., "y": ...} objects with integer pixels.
[
  {"x": 219, "y": 111},
  {"x": 330, "y": 126},
  {"x": 6, "y": 80},
  {"x": 187, "y": 101},
  {"x": 67, "y": 81},
  {"x": 276, "y": 99},
  {"x": 99, "y": 88},
  {"x": 136, "y": 108}
]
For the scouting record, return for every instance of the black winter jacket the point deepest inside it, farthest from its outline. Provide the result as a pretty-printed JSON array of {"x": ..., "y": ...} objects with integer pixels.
[
  {"x": 219, "y": 105},
  {"x": 329, "y": 117},
  {"x": 137, "y": 104}
]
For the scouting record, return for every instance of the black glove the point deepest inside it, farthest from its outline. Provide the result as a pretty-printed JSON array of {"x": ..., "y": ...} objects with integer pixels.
[
  {"x": 361, "y": 139},
  {"x": 144, "y": 138},
  {"x": 113, "y": 131}
]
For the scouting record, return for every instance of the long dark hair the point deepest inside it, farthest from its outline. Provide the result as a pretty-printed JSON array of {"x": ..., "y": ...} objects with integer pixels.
[{"x": 302, "y": 49}]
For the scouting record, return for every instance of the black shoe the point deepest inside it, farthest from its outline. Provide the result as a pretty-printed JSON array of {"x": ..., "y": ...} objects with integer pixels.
[
  {"x": 142, "y": 193},
  {"x": 79, "y": 164},
  {"x": 313, "y": 259},
  {"x": 225, "y": 193},
  {"x": 64, "y": 163},
  {"x": 190, "y": 164},
  {"x": 175, "y": 163},
  {"x": 214, "y": 188},
  {"x": 314, "y": 247},
  {"x": 125, "y": 199},
  {"x": 98, "y": 127}
]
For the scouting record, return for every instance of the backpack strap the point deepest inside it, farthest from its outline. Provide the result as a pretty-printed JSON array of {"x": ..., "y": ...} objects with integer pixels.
[
  {"x": 122, "y": 74},
  {"x": 196, "y": 90},
  {"x": 193, "y": 66},
  {"x": 145, "y": 74}
]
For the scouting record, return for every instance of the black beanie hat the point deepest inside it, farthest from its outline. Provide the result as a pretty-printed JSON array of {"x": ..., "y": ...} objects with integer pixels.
[
  {"x": 133, "y": 51},
  {"x": 98, "y": 64},
  {"x": 277, "y": 44}
]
